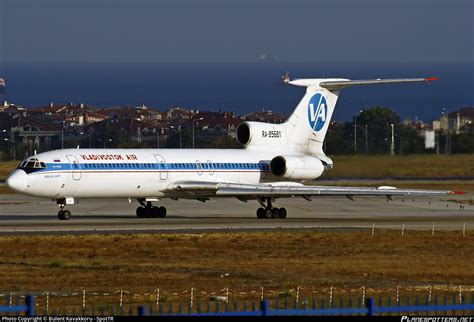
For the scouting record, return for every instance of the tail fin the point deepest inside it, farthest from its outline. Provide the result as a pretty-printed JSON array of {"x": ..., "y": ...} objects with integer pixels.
[{"x": 307, "y": 126}]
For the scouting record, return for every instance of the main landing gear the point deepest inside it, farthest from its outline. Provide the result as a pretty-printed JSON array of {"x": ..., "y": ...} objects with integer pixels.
[
  {"x": 147, "y": 210},
  {"x": 63, "y": 214},
  {"x": 269, "y": 211}
]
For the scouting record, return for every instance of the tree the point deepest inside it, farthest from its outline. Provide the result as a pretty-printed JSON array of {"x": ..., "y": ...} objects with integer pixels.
[
  {"x": 408, "y": 140},
  {"x": 378, "y": 120},
  {"x": 338, "y": 140},
  {"x": 223, "y": 142},
  {"x": 464, "y": 142}
]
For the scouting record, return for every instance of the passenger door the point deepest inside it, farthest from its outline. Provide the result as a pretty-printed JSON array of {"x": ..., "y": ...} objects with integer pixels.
[
  {"x": 163, "y": 168},
  {"x": 199, "y": 167},
  {"x": 210, "y": 166},
  {"x": 75, "y": 167}
]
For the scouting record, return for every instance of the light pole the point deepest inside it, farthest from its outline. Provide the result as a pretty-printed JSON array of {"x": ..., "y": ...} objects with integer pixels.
[
  {"x": 366, "y": 137},
  {"x": 12, "y": 142},
  {"x": 139, "y": 132},
  {"x": 392, "y": 145},
  {"x": 12, "y": 138},
  {"x": 355, "y": 131},
  {"x": 158, "y": 138},
  {"x": 180, "y": 140},
  {"x": 157, "y": 131},
  {"x": 7, "y": 140},
  {"x": 62, "y": 134},
  {"x": 82, "y": 133},
  {"x": 105, "y": 141},
  {"x": 366, "y": 140},
  {"x": 199, "y": 119}
]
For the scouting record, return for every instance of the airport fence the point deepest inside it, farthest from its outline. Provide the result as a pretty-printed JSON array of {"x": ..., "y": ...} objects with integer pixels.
[
  {"x": 28, "y": 308},
  {"x": 227, "y": 300},
  {"x": 371, "y": 307}
]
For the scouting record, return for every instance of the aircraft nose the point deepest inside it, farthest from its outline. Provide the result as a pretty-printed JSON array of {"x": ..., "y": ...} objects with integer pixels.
[{"x": 18, "y": 180}]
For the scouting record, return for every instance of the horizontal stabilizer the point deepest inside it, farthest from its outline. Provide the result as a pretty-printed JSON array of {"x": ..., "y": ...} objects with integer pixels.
[{"x": 335, "y": 84}]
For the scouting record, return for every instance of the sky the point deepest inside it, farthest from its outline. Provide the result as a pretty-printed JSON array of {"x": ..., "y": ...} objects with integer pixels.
[{"x": 236, "y": 31}]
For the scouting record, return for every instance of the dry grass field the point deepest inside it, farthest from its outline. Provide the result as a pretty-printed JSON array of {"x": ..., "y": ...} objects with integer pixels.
[
  {"x": 211, "y": 261},
  {"x": 379, "y": 166},
  {"x": 6, "y": 168}
]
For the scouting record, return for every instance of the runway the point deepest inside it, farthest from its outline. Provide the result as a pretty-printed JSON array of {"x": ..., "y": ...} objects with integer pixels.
[{"x": 27, "y": 215}]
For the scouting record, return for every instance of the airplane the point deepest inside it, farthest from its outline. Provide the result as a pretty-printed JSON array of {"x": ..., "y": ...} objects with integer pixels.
[{"x": 275, "y": 163}]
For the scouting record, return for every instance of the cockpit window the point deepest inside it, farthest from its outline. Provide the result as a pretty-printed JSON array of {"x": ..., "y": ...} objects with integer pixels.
[{"x": 32, "y": 165}]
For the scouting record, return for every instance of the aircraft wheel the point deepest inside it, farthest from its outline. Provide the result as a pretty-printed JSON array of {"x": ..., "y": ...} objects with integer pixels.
[
  {"x": 267, "y": 213},
  {"x": 148, "y": 212},
  {"x": 162, "y": 212},
  {"x": 64, "y": 215},
  {"x": 155, "y": 212},
  {"x": 260, "y": 213},
  {"x": 140, "y": 212},
  {"x": 275, "y": 212},
  {"x": 282, "y": 213}
]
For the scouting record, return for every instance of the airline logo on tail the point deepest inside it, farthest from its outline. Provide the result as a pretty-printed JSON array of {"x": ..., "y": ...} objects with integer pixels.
[{"x": 317, "y": 112}]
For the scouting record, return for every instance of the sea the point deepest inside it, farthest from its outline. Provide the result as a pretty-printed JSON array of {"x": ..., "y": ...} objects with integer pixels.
[{"x": 238, "y": 87}]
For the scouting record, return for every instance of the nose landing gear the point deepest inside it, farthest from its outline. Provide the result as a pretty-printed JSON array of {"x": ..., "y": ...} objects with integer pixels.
[
  {"x": 147, "y": 210},
  {"x": 63, "y": 214},
  {"x": 269, "y": 211}
]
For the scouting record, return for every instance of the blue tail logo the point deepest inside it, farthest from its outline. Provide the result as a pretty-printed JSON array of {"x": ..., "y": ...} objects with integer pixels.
[{"x": 317, "y": 112}]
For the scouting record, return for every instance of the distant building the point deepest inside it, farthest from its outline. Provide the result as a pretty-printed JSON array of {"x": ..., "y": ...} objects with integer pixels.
[
  {"x": 119, "y": 113},
  {"x": 460, "y": 118},
  {"x": 176, "y": 113},
  {"x": 146, "y": 113},
  {"x": 455, "y": 121},
  {"x": 73, "y": 115},
  {"x": 266, "y": 116},
  {"x": 33, "y": 133},
  {"x": 216, "y": 123}
]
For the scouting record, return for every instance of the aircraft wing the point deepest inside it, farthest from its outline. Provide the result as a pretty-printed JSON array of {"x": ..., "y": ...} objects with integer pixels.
[{"x": 282, "y": 190}]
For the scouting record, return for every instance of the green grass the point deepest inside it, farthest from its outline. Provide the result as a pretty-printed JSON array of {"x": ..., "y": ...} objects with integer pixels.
[{"x": 56, "y": 264}]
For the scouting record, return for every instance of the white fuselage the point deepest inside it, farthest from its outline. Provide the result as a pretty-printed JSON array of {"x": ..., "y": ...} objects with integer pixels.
[{"x": 139, "y": 173}]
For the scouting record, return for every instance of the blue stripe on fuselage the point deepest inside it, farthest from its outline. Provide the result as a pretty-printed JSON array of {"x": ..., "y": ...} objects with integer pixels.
[{"x": 179, "y": 166}]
